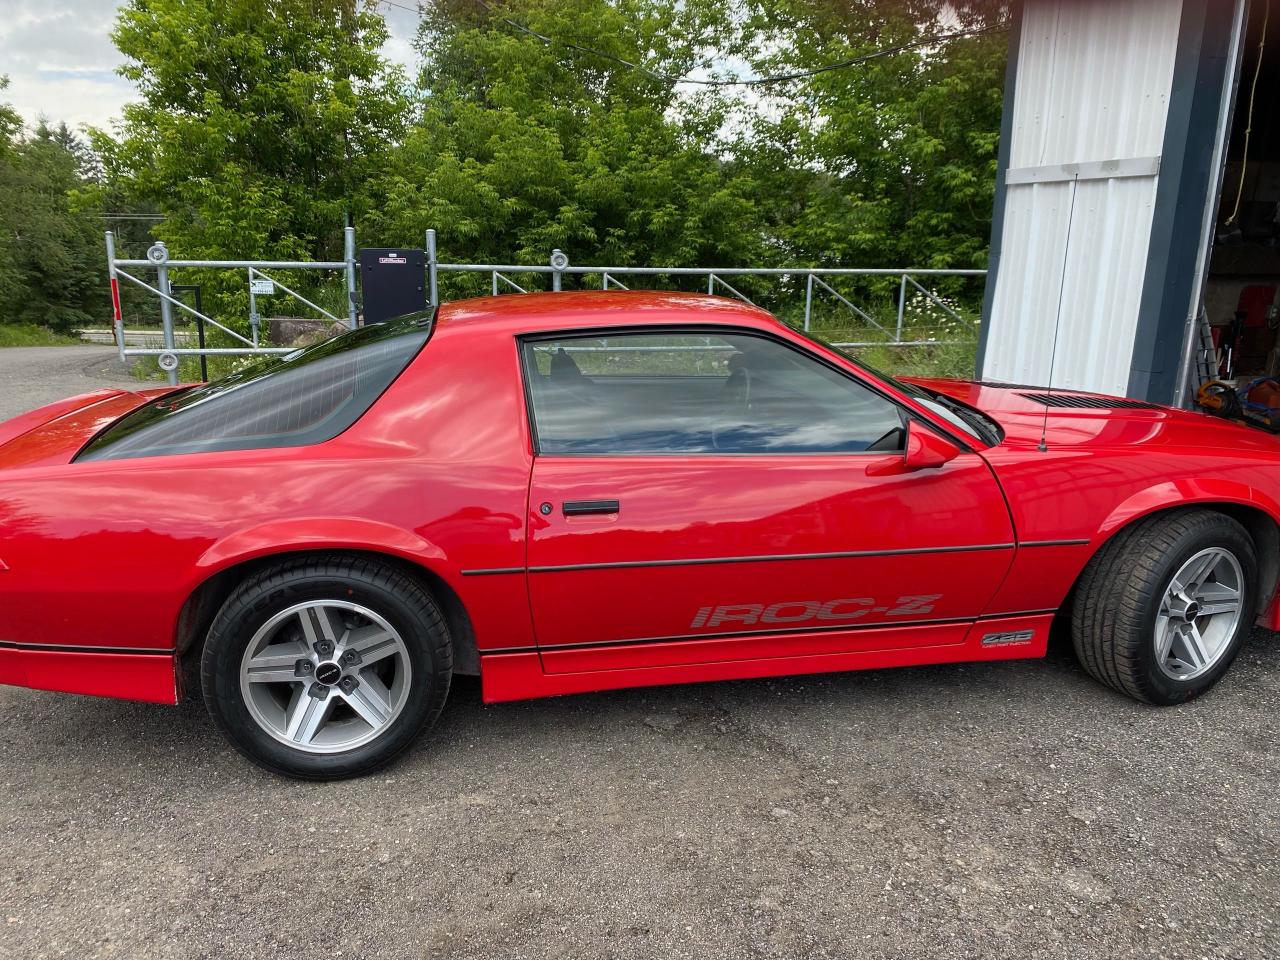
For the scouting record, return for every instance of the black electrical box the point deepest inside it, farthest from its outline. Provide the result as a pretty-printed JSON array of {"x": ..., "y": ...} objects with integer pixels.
[{"x": 393, "y": 282}]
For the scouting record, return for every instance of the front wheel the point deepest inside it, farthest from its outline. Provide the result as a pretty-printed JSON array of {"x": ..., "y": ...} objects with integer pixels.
[
  {"x": 322, "y": 669},
  {"x": 1162, "y": 610}
]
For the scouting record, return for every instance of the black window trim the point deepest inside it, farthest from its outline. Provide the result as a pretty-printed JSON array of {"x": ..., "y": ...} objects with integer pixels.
[{"x": 905, "y": 413}]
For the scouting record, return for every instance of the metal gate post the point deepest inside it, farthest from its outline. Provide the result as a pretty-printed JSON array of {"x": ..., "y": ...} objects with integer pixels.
[
  {"x": 204, "y": 360},
  {"x": 117, "y": 316},
  {"x": 902, "y": 306},
  {"x": 159, "y": 255},
  {"x": 558, "y": 263},
  {"x": 349, "y": 254},
  {"x": 433, "y": 295},
  {"x": 253, "y": 310},
  {"x": 808, "y": 300}
]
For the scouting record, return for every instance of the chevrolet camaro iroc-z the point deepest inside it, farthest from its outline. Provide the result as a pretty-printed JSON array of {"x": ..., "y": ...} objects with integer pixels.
[{"x": 582, "y": 491}]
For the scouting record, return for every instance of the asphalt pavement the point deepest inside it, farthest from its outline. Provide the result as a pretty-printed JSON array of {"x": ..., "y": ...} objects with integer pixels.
[{"x": 1013, "y": 810}]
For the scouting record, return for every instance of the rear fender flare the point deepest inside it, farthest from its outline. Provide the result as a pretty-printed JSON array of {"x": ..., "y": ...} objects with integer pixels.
[{"x": 319, "y": 533}]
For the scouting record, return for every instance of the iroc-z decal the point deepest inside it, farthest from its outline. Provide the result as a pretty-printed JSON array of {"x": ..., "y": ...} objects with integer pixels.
[{"x": 820, "y": 611}]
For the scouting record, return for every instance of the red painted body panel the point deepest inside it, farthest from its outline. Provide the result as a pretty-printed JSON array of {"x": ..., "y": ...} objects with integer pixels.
[
  {"x": 441, "y": 473},
  {"x": 54, "y": 433},
  {"x": 1105, "y": 468},
  {"x": 520, "y": 676},
  {"x": 129, "y": 676},
  {"x": 797, "y": 510}
]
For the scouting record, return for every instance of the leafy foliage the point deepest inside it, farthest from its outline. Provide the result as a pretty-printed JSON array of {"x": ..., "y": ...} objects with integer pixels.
[
  {"x": 257, "y": 124},
  {"x": 262, "y": 127},
  {"x": 257, "y": 131},
  {"x": 519, "y": 148},
  {"x": 50, "y": 247}
]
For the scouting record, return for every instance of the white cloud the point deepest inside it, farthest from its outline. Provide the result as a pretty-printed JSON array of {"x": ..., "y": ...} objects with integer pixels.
[{"x": 61, "y": 63}]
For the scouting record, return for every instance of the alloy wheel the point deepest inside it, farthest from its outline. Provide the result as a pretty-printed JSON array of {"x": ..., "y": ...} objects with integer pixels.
[
  {"x": 1199, "y": 614},
  {"x": 325, "y": 676}
]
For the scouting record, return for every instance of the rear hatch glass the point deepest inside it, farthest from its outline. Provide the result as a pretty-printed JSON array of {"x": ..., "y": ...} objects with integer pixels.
[{"x": 304, "y": 397}]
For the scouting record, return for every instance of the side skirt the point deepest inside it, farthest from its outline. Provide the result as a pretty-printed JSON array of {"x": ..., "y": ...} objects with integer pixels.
[
  {"x": 150, "y": 677},
  {"x": 520, "y": 676}
]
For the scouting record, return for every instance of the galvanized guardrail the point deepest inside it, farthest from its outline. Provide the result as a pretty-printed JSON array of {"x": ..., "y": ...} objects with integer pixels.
[
  {"x": 158, "y": 260},
  {"x": 818, "y": 283},
  {"x": 559, "y": 266}
]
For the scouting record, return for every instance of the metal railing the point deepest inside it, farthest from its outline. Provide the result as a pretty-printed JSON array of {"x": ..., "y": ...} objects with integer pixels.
[
  {"x": 157, "y": 259},
  {"x": 815, "y": 284},
  {"x": 818, "y": 284}
]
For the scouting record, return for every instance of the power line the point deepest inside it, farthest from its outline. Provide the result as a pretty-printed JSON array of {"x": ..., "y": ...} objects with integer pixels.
[{"x": 749, "y": 81}]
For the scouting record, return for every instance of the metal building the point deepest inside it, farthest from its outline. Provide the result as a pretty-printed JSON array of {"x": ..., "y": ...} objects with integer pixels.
[{"x": 1123, "y": 148}]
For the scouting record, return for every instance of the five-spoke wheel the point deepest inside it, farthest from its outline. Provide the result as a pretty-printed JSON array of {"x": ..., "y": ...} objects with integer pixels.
[
  {"x": 1199, "y": 614},
  {"x": 1162, "y": 609},
  {"x": 326, "y": 675},
  {"x": 329, "y": 667}
]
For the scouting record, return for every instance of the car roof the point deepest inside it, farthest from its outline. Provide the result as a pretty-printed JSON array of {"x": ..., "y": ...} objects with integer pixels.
[{"x": 519, "y": 313}]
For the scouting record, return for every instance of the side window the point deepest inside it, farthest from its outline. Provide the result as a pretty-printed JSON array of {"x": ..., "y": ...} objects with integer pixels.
[{"x": 662, "y": 393}]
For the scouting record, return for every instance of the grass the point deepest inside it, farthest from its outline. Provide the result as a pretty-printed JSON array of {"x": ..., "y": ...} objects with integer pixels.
[
  {"x": 29, "y": 335},
  {"x": 954, "y": 360}
]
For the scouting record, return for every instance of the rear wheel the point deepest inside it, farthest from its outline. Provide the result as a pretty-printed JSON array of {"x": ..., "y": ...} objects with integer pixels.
[
  {"x": 1161, "y": 612},
  {"x": 324, "y": 669}
]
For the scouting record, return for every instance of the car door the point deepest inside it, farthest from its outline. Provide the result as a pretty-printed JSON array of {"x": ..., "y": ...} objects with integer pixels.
[{"x": 716, "y": 495}]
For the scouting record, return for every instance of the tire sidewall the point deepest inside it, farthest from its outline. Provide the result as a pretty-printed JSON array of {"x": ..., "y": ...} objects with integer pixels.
[
  {"x": 236, "y": 625},
  {"x": 1227, "y": 536}
]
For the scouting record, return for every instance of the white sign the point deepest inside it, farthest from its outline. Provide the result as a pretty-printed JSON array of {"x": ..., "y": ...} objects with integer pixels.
[
  {"x": 262, "y": 288},
  {"x": 394, "y": 258}
]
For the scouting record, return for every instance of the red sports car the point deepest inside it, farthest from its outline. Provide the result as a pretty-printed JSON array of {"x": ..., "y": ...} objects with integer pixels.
[{"x": 572, "y": 492}]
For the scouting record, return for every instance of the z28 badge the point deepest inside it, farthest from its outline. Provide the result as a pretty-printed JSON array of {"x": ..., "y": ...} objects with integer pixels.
[{"x": 801, "y": 611}]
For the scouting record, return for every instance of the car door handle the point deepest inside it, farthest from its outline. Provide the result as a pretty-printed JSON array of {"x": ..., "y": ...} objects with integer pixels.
[{"x": 582, "y": 508}]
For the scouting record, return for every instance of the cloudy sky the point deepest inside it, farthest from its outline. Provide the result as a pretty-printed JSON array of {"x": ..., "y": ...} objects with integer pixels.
[{"x": 61, "y": 64}]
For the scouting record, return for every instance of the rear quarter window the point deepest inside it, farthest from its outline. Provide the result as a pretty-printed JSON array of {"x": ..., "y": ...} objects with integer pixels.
[{"x": 300, "y": 398}]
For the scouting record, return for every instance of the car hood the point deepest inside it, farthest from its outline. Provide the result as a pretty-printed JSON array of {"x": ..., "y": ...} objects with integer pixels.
[
  {"x": 55, "y": 433},
  {"x": 1077, "y": 418}
]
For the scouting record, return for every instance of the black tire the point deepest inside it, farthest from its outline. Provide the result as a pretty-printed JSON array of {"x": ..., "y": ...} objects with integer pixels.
[
  {"x": 382, "y": 588},
  {"x": 1117, "y": 601}
]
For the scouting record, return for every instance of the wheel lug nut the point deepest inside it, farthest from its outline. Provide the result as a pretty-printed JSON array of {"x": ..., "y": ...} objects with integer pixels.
[
  {"x": 318, "y": 690},
  {"x": 324, "y": 648},
  {"x": 303, "y": 668},
  {"x": 351, "y": 658},
  {"x": 348, "y": 684}
]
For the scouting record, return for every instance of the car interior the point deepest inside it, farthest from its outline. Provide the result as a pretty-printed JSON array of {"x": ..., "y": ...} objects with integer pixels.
[{"x": 755, "y": 396}]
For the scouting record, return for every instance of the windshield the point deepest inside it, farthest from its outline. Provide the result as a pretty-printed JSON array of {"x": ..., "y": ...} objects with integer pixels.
[
  {"x": 307, "y": 396},
  {"x": 966, "y": 419}
]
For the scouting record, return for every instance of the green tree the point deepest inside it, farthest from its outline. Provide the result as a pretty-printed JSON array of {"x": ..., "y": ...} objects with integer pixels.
[
  {"x": 257, "y": 129},
  {"x": 51, "y": 270},
  {"x": 258, "y": 123},
  {"x": 886, "y": 162},
  {"x": 523, "y": 145},
  {"x": 10, "y": 276},
  {"x": 10, "y": 122}
]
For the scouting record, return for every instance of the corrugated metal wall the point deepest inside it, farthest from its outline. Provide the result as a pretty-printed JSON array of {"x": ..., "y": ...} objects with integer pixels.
[{"x": 1090, "y": 103}]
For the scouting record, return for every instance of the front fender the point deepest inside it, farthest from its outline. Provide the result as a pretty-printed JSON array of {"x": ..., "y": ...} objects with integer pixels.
[{"x": 1182, "y": 493}]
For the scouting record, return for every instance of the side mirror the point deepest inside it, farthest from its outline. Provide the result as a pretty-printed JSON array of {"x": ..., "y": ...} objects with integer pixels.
[{"x": 926, "y": 450}]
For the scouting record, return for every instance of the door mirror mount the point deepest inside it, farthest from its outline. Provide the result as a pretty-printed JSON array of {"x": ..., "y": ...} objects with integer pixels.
[{"x": 927, "y": 450}]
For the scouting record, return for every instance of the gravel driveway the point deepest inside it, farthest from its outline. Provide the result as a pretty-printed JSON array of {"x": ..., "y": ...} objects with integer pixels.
[{"x": 1003, "y": 810}]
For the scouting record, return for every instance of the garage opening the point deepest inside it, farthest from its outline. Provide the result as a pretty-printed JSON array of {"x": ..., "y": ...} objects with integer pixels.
[{"x": 1242, "y": 290}]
